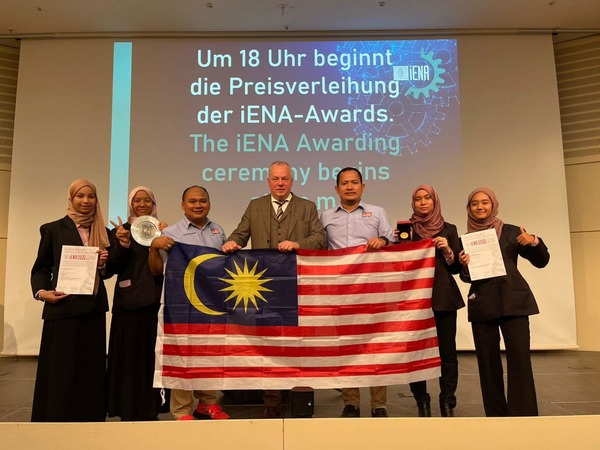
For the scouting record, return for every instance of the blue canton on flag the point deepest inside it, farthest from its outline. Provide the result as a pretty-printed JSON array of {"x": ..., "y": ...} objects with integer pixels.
[{"x": 254, "y": 288}]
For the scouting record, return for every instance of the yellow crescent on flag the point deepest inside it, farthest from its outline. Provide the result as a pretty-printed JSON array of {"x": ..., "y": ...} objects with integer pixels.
[{"x": 188, "y": 284}]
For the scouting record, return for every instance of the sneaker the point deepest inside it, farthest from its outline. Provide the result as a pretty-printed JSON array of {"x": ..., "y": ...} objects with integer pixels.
[
  {"x": 379, "y": 412},
  {"x": 186, "y": 417},
  {"x": 351, "y": 411},
  {"x": 213, "y": 411}
]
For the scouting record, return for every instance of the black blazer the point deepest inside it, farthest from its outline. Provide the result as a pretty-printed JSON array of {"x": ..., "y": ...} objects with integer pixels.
[
  {"x": 136, "y": 287},
  {"x": 508, "y": 295},
  {"x": 446, "y": 296},
  {"x": 44, "y": 273}
]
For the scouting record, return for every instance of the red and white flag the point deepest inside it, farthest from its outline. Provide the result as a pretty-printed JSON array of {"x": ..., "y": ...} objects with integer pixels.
[{"x": 261, "y": 319}]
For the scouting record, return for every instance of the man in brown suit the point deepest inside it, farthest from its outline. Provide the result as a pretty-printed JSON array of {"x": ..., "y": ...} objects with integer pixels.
[
  {"x": 278, "y": 220},
  {"x": 298, "y": 224}
]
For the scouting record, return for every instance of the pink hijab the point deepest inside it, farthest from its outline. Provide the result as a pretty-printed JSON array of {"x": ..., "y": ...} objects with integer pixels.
[
  {"x": 134, "y": 191},
  {"x": 94, "y": 220},
  {"x": 430, "y": 225},
  {"x": 474, "y": 224}
]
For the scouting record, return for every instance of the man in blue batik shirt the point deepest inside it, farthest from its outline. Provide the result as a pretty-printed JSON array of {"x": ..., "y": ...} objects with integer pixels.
[
  {"x": 349, "y": 224},
  {"x": 195, "y": 228}
]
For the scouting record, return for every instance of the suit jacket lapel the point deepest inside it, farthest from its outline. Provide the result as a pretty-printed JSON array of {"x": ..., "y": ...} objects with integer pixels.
[
  {"x": 267, "y": 217},
  {"x": 72, "y": 236},
  {"x": 293, "y": 217}
]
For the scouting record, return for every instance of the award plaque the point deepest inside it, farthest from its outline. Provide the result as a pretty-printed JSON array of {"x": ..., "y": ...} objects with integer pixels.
[
  {"x": 144, "y": 229},
  {"x": 404, "y": 230}
]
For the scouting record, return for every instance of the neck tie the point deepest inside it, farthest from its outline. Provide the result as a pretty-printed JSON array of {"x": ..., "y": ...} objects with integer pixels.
[{"x": 280, "y": 208}]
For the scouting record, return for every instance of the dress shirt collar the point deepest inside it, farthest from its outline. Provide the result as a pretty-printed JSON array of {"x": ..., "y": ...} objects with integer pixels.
[
  {"x": 188, "y": 224},
  {"x": 287, "y": 200},
  {"x": 340, "y": 207}
]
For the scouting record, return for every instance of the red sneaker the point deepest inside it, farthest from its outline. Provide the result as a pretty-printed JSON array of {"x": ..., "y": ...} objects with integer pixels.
[
  {"x": 213, "y": 411},
  {"x": 186, "y": 417}
]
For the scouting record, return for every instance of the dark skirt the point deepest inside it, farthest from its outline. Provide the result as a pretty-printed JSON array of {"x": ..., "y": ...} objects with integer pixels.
[
  {"x": 70, "y": 385},
  {"x": 131, "y": 365}
]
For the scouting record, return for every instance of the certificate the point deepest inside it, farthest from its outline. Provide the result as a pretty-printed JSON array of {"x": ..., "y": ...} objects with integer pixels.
[
  {"x": 485, "y": 255},
  {"x": 77, "y": 271}
]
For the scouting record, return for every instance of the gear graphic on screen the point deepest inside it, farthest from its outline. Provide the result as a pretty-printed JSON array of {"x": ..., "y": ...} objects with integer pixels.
[
  {"x": 411, "y": 121},
  {"x": 448, "y": 92},
  {"x": 417, "y": 111},
  {"x": 436, "y": 81}
]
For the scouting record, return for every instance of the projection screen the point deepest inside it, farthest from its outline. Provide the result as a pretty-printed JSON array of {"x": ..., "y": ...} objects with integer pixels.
[{"x": 170, "y": 113}]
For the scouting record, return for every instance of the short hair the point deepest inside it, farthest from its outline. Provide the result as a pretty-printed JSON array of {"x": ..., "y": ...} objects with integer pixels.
[
  {"x": 282, "y": 163},
  {"x": 347, "y": 169},
  {"x": 195, "y": 186}
]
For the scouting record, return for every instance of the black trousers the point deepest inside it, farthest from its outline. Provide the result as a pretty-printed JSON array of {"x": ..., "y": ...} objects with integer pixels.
[
  {"x": 521, "y": 399},
  {"x": 445, "y": 324}
]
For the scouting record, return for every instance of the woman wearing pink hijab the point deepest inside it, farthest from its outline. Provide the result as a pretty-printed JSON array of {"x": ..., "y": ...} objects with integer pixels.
[
  {"x": 503, "y": 304},
  {"x": 428, "y": 223},
  {"x": 70, "y": 385},
  {"x": 134, "y": 318}
]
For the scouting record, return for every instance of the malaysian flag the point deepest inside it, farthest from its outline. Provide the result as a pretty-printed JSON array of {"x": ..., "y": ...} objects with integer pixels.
[{"x": 262, "y": 319}]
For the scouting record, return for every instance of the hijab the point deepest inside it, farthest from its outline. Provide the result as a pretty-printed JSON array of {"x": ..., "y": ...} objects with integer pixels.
[
  {"x": 474, "y": 224},
  {"x": 430, "y": 225},
  {"x": 92, "y": 220},
  {"x": 134, "y": 191}
]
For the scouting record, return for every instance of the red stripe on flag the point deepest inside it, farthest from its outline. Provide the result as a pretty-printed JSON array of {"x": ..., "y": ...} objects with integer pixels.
[
  {"x": 299, "y": 331},
  {"x": 298, "y": 352},
  {"x": 364, "y": 288},
  {"x": 359, "y": 249},
  {"x": 299, "y": 372},
  {"x": 366, "y": 267},
  {"x": 367, "y": 308}
]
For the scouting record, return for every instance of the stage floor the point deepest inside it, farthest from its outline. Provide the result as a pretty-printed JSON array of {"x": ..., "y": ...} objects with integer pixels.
[{"x": 567, "y": 382}]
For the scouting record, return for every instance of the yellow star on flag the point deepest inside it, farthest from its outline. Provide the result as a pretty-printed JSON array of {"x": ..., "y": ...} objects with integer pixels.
[{"x": 246, "y": 285}]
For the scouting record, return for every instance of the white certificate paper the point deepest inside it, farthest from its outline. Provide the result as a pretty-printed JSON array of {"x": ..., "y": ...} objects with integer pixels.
[
  {"x": 486, "y": 257},
  {"x": 77, "y": 271}
]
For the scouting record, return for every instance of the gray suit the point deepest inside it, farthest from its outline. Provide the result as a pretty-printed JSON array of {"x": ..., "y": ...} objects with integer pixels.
[{"x": 304, "y": 226}]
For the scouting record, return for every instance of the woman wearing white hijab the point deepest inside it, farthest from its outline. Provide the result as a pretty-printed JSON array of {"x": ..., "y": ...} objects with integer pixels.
[{"x": 134, "y": 318}]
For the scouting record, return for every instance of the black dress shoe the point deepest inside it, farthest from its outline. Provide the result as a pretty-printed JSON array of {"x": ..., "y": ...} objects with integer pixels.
[
  {"x": 351, "y": 411},
  {"x": 379, "y": 412},
  {"x": 446, "y": 410},
  {"x": 272, "y": 412},
  {"x": 424, "y": 409}
]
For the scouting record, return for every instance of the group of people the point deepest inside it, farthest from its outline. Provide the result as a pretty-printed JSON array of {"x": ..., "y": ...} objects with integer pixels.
[{"x": 74, "y": 383}]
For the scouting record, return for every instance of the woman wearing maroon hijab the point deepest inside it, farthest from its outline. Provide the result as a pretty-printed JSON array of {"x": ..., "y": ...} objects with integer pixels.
[
  {"x": 503, "y": 304},
  {"x": 428, "y": 223}
]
